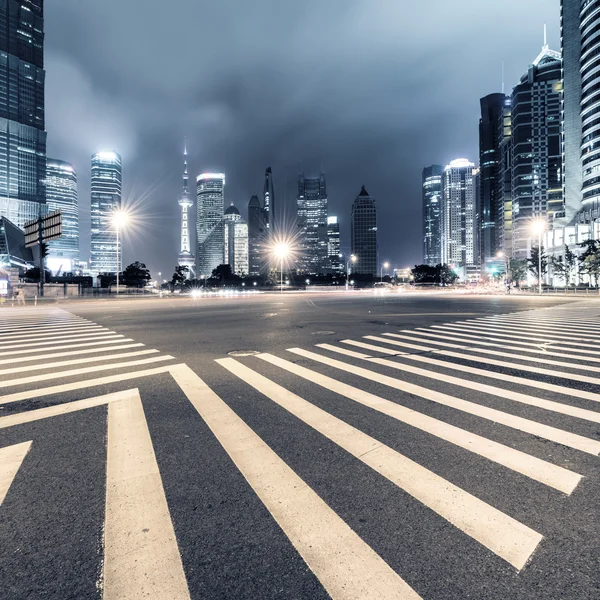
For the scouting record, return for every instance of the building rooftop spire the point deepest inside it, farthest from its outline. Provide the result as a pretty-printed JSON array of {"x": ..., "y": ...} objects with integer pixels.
[{"x": 185, "y": 167}]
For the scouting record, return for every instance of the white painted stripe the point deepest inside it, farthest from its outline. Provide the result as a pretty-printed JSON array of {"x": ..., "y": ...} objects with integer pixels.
[
  {"x": 52, "y": 342},
  {"x": 553, "y": 434},
  {"x": 545, "y": 331},
  {"x": 558, "y": 407},
  {"x": 76, "y": 361},
  {"x": 23, "y": 359},
  {"x": 503, "y": 535},
  {"x": 346, "y": 566},
  {"x": 110, "y": 340},
  {"x": 574, "y": 324},
  {"x": 80, "y": 385},
  {"x": 74, "y": 372},
  {"x": 45, "y": 326},
  {"x": 518, "y": 357},
  {"x": 37, "y": 320},
  {"x": 494, "y": 337},
  {"x": 479, "y": 342},
  {"x": 11, "y": 459},
  {"x": 537, "y": 469},
  {"x": 538, "y": 385},
  {"x": 89, "y": 334},
  {"x": 39, "y": 332},
  {"x": 30, "y": 416},
  {"x": 141, "y": 556}
]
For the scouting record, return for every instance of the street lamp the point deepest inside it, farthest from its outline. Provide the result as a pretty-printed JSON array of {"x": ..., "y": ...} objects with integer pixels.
[
  {"x": 353, "y": 259},
  {"x": 282, "y": 251},
  {"x": 539, "y": 226},
  {"x": 119, "y": 219},
  {"x": 386, "y": 266}
]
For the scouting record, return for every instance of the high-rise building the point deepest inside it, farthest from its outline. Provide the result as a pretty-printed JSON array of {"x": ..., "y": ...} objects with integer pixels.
[
  {"x": 363, "y": 234},
  {"x": 488, "y": 210},
  {"x": 210, "y": 199},
  {"x": 61, "y": 194},
  {"x": 22, "y": 121},
  {"x": 333, "y": 246},
  {"x": 105, "y": 201},
  {"x": 312, "y": 223},
  {"x": 235, "y": 241},
  {"x": 504, "y": 217},
  {"x": 269, "y": 202},
  {"x": 458, "y": 217},
  {"x": 256, "y": 237},
  {"x": 432, "y": 215},
  {"x": 537, "y": 182},
  {"x": 186, "y": 258}
]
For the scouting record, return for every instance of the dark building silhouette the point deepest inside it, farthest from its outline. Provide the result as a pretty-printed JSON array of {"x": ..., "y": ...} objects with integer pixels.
[
  {"x": 363, "y": 233},
  {"x": 432, "y": 215},
  {"x": 312, "y": 222},
  {"x": 270, "y": 215},
  {"x": 488, "y": 210},
  {"x": 257, "y": 236},
  {"x": 22, "y": 120}
]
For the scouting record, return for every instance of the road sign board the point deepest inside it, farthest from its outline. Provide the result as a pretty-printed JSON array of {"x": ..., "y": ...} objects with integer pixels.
[{"x": 43, "y": 229}]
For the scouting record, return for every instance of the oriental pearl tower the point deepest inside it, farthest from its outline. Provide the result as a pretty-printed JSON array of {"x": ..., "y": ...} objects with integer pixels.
[{"x": 186, "y": 258}]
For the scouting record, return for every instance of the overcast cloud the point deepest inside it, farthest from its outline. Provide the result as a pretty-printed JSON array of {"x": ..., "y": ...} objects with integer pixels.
[{"x": 371, "y": 91}]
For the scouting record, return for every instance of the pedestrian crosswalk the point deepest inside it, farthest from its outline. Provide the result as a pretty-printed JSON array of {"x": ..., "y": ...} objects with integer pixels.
[{"x": 514, "y": 396}]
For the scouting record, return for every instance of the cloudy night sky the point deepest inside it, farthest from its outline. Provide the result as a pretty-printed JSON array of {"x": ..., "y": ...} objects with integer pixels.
[{"x": 369, "y": 91}]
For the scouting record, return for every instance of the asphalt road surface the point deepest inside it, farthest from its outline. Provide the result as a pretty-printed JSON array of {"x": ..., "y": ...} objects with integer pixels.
[{"x": 301, "y": 446}]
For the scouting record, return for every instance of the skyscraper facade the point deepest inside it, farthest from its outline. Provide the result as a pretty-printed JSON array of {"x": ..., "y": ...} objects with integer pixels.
[
  {"x": 22, "y": 120},
  {"x": 256, "y": 237},
  {"x": 61, "y": 194},
  {"x": 504, "y": 217},
  {"x": 537, "y": 183},
  {"x": 186, "y": 258},
  {"x": 235, "y": 241},
  {"x": 105, "y": 201},
  {"x": 363, "y": 234},
  {"x": 210, "y": 199},
  {"x": 432, "y": 215},
  {"x": 333, "y": 245},
  {"x": 312, "y": 223},
  {"x": 458, "y": 217},
  {"x": 488, "y": 209},
  {"x": 269, "y": 202}
]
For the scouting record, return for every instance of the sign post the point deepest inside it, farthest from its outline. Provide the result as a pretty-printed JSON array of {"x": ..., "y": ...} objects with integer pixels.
[{"x": 41, "y": 231}]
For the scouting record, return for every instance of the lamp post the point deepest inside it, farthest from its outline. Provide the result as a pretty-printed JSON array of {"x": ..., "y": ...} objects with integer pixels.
[
  {"x": 539, "y": 226},
  {"x": 385, "y": 266},
  {"x": 353, "y": 259},
  {"x": 281, "y": 251},
  {"x": 119, "y": 220}
]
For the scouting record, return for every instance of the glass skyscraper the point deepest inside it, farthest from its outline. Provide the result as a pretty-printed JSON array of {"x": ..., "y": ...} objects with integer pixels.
[
  {"x": 61, "y": 194},
  {"x": 432, "y": 215},
  {"x": 105, "y": 201},
  {"x": 22, "y": 127},
  {"x": 363, "y": 234},
  {"x": 333, "y": 245},
  {"x": 210, "y": 194},
  {"x": 312, "y": 222},
  {"x": 235, "y": 241}
]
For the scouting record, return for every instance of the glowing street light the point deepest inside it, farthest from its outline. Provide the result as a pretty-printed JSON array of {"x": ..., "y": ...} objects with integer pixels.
[
  {"x": 119, "y": 220},
  {"x": 281, "y": 251},
  {"x": 539, "y": 226},
  {"x": 353, "y": 260},
  {"x": 386, "y": 266}
]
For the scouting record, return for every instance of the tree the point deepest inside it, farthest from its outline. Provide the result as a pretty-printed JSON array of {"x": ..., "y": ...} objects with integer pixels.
[
  {"x": 442, "y": 274},
  {"x": 446, "y": 275},
  {"x": 518, "y": 270},
  {"x": 533, "y": 262},
  {"x": 180, "y": 275},
  {"x": 589, "y": 260},
  {"x": 136, "y": 275},
  {"x": 559, "y": 267},
  {"x": 570, "y": 261}
]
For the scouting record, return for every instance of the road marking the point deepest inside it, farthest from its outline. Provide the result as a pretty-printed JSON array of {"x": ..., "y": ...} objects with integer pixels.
[
  {"x": 542, "y": 331},
  {"x": 76, "y": 361},
  {"x": 80, "y": 385},
  {"x": 73, "y": 372},
  {"x": 568, "y": 324},
  {"x": 45, "y": 334},
  {"x": 503, "y": 535},
  {"x": 558, "y": 407},
  {"x": 52, "y": 325},
  {"x": 11, "y": 459},
  {"x": 345, "y": 565},
  {"x": 489, "y": 361},
  {"x": 479, "y": 342},
  {"x": 141, "y": 556},
  {"x": 72, "y": 353},
  {"x": 537, "y": 469},
  {"x": 61, "y": 337},
  {"x": 542, "y": 385},
  {"x": 553, "y": 434},
  {"x": 53, "y": 342}
]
